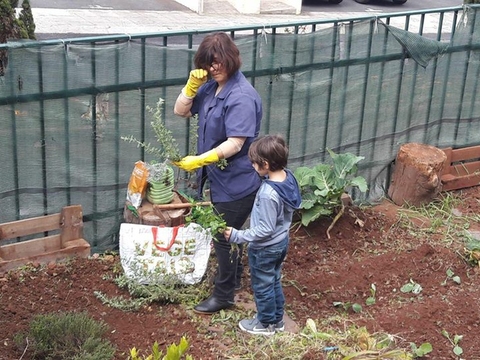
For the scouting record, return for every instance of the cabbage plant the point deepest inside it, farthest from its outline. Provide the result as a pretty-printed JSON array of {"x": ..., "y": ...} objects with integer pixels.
[{"x": 322, "y": 187}]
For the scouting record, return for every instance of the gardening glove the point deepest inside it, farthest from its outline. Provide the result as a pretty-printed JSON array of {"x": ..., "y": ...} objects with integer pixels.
[
  {"x": 191, "y": 163},
  {"x": 197, "y": 78}
]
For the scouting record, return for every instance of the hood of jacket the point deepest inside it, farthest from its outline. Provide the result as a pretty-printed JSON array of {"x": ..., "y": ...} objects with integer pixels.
[{"x": 288, "y": 190}]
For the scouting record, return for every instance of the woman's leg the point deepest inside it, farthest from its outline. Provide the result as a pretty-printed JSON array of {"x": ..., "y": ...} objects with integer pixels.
[{"x": 235, "y": 213}]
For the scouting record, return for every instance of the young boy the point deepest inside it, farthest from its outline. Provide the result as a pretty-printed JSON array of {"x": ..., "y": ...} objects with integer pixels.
[{"x": 268, "y": 235}]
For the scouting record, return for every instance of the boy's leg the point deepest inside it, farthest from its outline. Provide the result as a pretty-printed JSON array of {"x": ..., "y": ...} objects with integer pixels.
[
  {"x": 279, "y": 296},
  {"x": 262, "y": 264}
]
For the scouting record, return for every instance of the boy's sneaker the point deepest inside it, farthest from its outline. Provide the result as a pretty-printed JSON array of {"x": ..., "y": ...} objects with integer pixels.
[
  {"x": 253, "y": 326},
  {"x": 280, "y": 326}
]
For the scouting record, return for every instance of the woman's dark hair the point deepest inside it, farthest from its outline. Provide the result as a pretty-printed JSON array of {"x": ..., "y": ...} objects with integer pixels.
[
  {"x": 271, "y": 149},
  {"x": 218, "y": 47}
]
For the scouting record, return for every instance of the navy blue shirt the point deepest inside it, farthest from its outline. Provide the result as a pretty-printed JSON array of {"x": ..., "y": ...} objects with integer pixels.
[{"x": 235, "y": 112}]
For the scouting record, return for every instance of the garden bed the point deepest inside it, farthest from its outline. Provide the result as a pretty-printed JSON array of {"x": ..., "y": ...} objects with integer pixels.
[{"x": 384, "y": 245}]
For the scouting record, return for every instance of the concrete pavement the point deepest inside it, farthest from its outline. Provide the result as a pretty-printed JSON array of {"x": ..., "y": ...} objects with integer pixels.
[{"x": 218, "y": 14}]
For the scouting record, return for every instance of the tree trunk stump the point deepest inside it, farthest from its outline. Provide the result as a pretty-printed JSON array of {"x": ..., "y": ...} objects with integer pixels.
[{"x": 416, "y": 176}]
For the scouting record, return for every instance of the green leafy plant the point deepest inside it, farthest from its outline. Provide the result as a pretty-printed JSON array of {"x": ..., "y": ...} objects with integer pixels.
[
  {"x": 472, "y": 251},
  {"x": 63, "y": 336},
  {"x": 451, "y": 276},
  {"x": 323, "y": 185},
  {"x": 421, "y": 350},
  {"x": 348, "y": 305},
  {"x": 174, "y": 352},
  {"x": 207, "y": 218},
  {"x": 411, "y": 287},
  {"x": 457, "y": 350}
]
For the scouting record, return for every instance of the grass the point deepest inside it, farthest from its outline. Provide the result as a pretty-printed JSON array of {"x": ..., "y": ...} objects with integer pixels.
[{"x": 439, "y": 222}]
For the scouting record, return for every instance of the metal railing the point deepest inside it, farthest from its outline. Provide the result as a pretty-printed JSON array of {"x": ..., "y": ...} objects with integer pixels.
[{"x": 118, "y": 77}]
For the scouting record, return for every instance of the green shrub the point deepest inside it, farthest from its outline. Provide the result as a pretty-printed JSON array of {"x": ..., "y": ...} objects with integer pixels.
[{"x": 63, "y": 336}]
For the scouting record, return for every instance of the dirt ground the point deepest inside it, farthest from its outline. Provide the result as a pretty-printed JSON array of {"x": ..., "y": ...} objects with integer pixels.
[{"x": 367, "y": 246}]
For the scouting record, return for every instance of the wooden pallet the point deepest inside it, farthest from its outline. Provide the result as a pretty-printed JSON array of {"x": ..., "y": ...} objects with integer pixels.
[
  {"x": 67, "y": 241},
  {"x": 462, "y": 168}
]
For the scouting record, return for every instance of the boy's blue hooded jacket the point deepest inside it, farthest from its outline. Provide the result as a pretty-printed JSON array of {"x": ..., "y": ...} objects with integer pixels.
[{"x": 272, "y": 213}]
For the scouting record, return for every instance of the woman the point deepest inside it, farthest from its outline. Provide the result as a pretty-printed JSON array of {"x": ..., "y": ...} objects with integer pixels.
[{"x": 229, "y": 114}]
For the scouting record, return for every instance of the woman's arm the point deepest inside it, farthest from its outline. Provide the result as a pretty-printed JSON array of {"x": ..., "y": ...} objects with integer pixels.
[
  {"x": 197, "y": 78},
  {"x": 230, "y": 147},
  {"x": 182, "y": 106}
]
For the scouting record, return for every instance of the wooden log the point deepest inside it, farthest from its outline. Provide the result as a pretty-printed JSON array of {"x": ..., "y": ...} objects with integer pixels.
[{"x": 416, "y": 176}]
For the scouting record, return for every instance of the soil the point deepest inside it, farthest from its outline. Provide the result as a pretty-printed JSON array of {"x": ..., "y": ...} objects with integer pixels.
[{"x": 367, "y": 246}]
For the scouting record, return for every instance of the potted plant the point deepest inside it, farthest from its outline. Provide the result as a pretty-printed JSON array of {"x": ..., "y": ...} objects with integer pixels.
[{"x": 161, "y": 181}]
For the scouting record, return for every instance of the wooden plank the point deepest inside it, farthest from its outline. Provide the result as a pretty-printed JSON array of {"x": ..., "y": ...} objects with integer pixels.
[
  {"x": 448, "y": 161},
  {"x": 455, "y": 183},
  {"x": 71, "y": 223},
  {"x": 30, "y": 248},
  {"x": 465, "y": 169},
  {"x": 31, "y": 226},
  {"x": 68, "y": 242},
  {"x": 75, "y": 248},
  {"x": 472, "y": 152}
]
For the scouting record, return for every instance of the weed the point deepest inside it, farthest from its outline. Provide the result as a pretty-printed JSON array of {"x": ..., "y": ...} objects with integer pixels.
[
  {"x": 315, "y": 340},
  {"x": 143, "y": 295},
  {"x": 437, "y": 218},
  {"x": 207, "y": 218}
]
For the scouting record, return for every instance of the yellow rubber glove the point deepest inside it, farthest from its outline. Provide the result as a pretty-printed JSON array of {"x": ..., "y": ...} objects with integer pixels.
[
  {"x": 197, "y": 78},
  {"x": 191, "y": 163}
]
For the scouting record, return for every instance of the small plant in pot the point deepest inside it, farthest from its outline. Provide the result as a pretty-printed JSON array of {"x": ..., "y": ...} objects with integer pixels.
[{"x": 161, "y": 179}]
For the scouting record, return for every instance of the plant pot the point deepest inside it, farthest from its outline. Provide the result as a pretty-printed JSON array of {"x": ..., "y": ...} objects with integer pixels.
[{"x": 160, "y": 187}]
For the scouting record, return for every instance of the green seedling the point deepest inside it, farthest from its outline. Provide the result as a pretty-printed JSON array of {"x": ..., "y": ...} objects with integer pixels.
[
  {"x": 422, "y": 350},
  {"x": 347, "y": 305},
  {"x": 411, "y": 287},
  {"x": 451, "y": 275},
  {"x": 457, "y": 350},
  {"x": 371, "y": 299}
]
